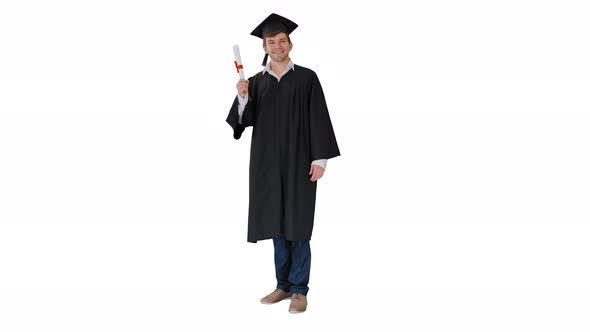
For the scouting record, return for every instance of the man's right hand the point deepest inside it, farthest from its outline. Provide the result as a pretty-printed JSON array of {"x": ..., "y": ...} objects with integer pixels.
[{"x": 242, "y": 87}]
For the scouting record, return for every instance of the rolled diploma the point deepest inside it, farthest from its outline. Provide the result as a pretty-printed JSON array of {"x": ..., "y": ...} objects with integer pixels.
[{"x": 238, "y": 61}]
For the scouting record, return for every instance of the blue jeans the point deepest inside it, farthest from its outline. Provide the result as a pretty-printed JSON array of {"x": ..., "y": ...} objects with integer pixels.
[{"x": 292, "y": 264}]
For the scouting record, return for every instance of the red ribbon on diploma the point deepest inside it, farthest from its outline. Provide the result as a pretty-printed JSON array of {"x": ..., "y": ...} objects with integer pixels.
[{"x": 238, "y": 67}]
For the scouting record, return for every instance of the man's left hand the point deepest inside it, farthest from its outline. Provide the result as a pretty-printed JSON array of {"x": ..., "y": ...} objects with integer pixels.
[{"x": 316, "y": 172}]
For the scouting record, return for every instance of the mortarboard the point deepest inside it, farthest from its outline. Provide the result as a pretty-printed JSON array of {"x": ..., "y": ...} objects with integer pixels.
[{"x": 273, "y": 23}]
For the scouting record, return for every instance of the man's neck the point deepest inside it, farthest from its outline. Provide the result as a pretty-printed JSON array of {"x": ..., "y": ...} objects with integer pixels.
[{"x": 279, "y": 67}]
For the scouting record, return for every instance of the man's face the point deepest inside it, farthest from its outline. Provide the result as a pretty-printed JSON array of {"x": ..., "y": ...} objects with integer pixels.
[{"x": 278, "y": 47}]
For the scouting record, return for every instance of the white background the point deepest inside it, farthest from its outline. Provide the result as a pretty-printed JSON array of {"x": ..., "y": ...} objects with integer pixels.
[{"x": 460, "y": 201}]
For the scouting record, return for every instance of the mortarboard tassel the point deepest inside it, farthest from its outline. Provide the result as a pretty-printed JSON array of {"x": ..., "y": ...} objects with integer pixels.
[{"x": 264, "y": 61}]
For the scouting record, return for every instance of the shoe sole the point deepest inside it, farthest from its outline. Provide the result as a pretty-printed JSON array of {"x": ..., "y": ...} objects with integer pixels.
[{"x": 296, "y": 312}]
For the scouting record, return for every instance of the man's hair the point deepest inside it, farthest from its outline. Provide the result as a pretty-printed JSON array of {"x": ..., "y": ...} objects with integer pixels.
[{"x": 272, "y": 34}]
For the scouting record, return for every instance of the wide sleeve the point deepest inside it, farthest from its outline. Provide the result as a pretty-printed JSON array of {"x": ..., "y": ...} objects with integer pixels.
[
  {"x": 322, "y": 137},
  {"x": 248, "y": 116}
]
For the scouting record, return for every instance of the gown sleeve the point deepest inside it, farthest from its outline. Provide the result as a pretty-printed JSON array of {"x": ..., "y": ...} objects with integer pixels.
[
  {"x": 322, "y": 137},
  {"x": 233, "y": 118}
]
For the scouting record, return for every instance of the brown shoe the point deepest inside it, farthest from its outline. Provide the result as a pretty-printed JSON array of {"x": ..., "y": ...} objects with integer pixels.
[
  {"x": 298, "y": 303},
  {"x": 277, "y": 296}
]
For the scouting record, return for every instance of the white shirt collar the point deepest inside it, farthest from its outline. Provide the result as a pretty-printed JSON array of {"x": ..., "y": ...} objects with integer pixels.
[{"x": 290, "y": 66}]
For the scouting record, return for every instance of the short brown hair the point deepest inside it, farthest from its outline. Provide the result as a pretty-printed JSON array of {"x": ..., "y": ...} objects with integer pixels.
[{"x": 272, "y": 34}]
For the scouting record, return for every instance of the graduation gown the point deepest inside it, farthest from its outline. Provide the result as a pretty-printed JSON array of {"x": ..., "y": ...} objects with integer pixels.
[{"x": 291, "y": 128}]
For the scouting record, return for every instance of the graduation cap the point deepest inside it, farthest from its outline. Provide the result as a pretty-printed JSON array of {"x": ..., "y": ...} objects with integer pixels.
[{"x": 273, "y": 23}]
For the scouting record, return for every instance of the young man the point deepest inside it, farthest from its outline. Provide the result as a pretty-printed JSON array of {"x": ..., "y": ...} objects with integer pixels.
[{"x": 292, "y": 139}]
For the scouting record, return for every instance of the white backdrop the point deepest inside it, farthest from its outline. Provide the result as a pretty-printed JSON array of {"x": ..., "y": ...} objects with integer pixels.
[{"x": 460, "y": 201}]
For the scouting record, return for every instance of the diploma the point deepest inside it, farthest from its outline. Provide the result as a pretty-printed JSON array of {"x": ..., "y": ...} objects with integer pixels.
[{"x": 238, "y": 62}]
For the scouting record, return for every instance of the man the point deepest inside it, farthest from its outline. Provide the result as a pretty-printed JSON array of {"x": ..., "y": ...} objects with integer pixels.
[{"x": 292, "y": 139}]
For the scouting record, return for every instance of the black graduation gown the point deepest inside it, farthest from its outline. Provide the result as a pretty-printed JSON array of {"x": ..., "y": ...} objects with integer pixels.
[{"x": 291, "y": 128}]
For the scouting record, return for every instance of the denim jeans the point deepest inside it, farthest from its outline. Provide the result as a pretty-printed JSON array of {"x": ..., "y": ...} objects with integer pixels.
[{"x": 292, "y": 264}]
